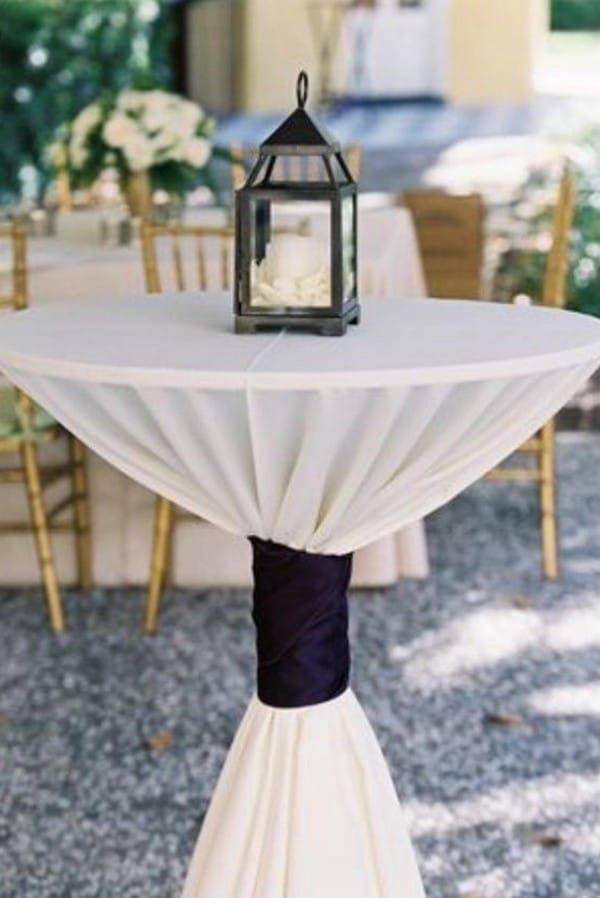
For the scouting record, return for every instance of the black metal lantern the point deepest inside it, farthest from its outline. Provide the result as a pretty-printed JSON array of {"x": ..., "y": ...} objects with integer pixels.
[{"x": 296, "y": 264}]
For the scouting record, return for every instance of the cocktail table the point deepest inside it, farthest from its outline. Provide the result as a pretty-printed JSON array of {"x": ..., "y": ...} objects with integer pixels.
[
  {"x": 312, "y": 447},
  {"x": 389, "y": 265}
]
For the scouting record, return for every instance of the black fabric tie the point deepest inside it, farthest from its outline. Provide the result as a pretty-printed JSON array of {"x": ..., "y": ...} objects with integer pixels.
[{"x": 301, "y": 617}]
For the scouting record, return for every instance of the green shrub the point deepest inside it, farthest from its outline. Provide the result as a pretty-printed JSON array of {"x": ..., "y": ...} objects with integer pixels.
[
  {"x": 575, "y": 15},
  {"x": 56, "y": 56}
]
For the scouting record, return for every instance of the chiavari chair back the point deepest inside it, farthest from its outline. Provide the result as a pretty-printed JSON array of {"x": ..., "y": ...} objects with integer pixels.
[
  {"x": 541, "y": 448},
  {"x": 557, "y": 262},
  {"x": 13, "y": 236},
  {"x": 450, "y": 234},
  {"x": 24, "y": 430},
  {"x": 178, "y": 258}
]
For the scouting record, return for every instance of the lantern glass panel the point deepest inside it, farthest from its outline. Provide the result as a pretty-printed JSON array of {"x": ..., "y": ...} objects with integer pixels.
[
  {"x": 290, "y": 244},
  {"x": 295, "y": 169},
  {"x": 348, "y": 248}
]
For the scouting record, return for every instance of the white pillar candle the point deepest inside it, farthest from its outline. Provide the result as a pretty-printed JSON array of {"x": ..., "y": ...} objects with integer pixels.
[
  {"x": 294, "y": 272},
  {"x": 294, "y": 256}
]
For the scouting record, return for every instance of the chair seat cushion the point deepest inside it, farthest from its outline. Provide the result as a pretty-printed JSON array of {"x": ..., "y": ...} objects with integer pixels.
[{"x": 14, "y": 424}]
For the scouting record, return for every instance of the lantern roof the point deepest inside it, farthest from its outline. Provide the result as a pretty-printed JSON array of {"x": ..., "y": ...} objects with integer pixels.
[{"x": 299, "y": 133}]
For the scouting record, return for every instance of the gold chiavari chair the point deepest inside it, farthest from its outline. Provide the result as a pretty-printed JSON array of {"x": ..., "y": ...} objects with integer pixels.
[
  {"x": 24, "y": 429},
  {"x": 541, "y": 447},
  {"x": 450, "y": 234},
  {"x": 294, "y": 167},
  {"x": 59, "y": 160},
  {"x": 180, "y": 258},
  {"x": 168, "y": 263}
]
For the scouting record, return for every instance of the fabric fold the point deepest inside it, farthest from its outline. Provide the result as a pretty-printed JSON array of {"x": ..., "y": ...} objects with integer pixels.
[
  {"x": 324, "y": 471},
  {"x": 305, "y": 808}
]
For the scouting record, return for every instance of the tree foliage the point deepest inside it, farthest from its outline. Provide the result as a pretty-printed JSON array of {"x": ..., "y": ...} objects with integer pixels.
[
  {"x": 56, "y": 56},
  {"x": 575, "y": 15}
]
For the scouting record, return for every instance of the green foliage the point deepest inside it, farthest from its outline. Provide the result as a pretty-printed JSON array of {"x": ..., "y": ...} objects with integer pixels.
[
  {"x": 521, "y": 265},
  {"x": 58, "y": 55},
  {"x": 575, "y": 15}
]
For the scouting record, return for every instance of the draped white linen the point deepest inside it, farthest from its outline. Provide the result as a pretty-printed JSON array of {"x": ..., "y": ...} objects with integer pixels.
[
  {"x": 290, "y": 772},
  {"x": 321, "y": 444}
]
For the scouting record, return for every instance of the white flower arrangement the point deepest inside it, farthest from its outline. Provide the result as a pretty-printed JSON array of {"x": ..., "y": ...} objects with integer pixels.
[{"x": 152, "y": 131}]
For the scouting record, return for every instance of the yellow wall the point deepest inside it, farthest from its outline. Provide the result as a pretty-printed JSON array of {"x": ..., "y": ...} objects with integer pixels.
[
  {"x": 213, "y": 53},
  {"x": 278, "y": 42},
  {"x": 492, "y": 49},
  {"x": 492, "y": 46}
]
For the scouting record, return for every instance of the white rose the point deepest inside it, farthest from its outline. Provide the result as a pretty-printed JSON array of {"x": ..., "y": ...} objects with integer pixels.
[
  {"x": 175, "y": 126},
  {"x": 119, "y": 129},
  {"x": 157, "y": 98},
  {"x": 192, "y": 106},
  {"x": 175, "y": 150},
  {"x": 87, "y": 119},
  {"x": 158, "y": 121},
  {"x": 197, "y": 152},
  {"x": 191, "y": 114},
  {"x": 130, "y": 100},
  {"x": 155, "y": 105},
  {"x": 138, "y": 153},
  {"x": 163, "y": 142}
]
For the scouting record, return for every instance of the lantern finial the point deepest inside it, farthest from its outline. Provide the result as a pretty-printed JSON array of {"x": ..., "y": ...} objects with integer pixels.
[{"x": 302, "y": 89}]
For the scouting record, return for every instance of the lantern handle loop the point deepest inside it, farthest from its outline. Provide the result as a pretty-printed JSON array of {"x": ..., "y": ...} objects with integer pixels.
[{"x": 302, "y": 89}]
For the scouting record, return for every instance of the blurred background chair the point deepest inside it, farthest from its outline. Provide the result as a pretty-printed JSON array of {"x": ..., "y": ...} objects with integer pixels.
[
  {"x": 541, "y": 448},
  {"x": 244, "y": 157},
  {"x": 24, "y": 429},
  {"x": 450, "y": 233},
  {"x": 178, "y": 258}
]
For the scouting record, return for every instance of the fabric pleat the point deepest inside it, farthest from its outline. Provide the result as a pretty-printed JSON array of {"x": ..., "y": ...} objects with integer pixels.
[
  {"x": 304, "y": 808},
  {"x": 326, "y": 471}
]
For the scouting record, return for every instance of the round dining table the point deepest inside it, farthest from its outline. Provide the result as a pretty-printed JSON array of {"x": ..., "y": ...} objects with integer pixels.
[{"x": 311, "y": 447}]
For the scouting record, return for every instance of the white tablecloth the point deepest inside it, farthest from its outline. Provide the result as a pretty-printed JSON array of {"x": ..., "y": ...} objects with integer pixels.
[
  {"x": 324, "y": 445},
  {"x": 121, "y": 509}
]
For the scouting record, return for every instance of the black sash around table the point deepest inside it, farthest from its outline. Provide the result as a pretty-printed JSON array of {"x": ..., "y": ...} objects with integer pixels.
[{"x": 301, "y": 616}]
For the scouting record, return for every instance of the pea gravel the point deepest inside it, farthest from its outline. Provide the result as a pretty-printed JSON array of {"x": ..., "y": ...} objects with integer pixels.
[{"x": 504, "y": 809}]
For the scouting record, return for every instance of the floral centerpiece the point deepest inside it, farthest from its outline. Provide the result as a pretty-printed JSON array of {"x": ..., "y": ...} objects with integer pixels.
[{"x": 153, "y": 138}]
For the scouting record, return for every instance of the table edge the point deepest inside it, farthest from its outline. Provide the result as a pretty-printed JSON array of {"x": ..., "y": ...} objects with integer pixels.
[{"x": 291, "y": 380}]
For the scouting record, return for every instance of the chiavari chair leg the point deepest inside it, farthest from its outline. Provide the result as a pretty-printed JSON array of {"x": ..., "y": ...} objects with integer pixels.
[
  {"x": 548, "y": 503},
  {"x": 167, "y": 580},
  {"x": 42, "y": 535},
  {"x": 81, "y": 513},
  {"x": 163, "y": 525}
]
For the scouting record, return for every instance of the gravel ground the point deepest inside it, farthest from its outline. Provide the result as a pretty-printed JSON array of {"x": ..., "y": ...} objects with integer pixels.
[{"x": 505, "y": 809}]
